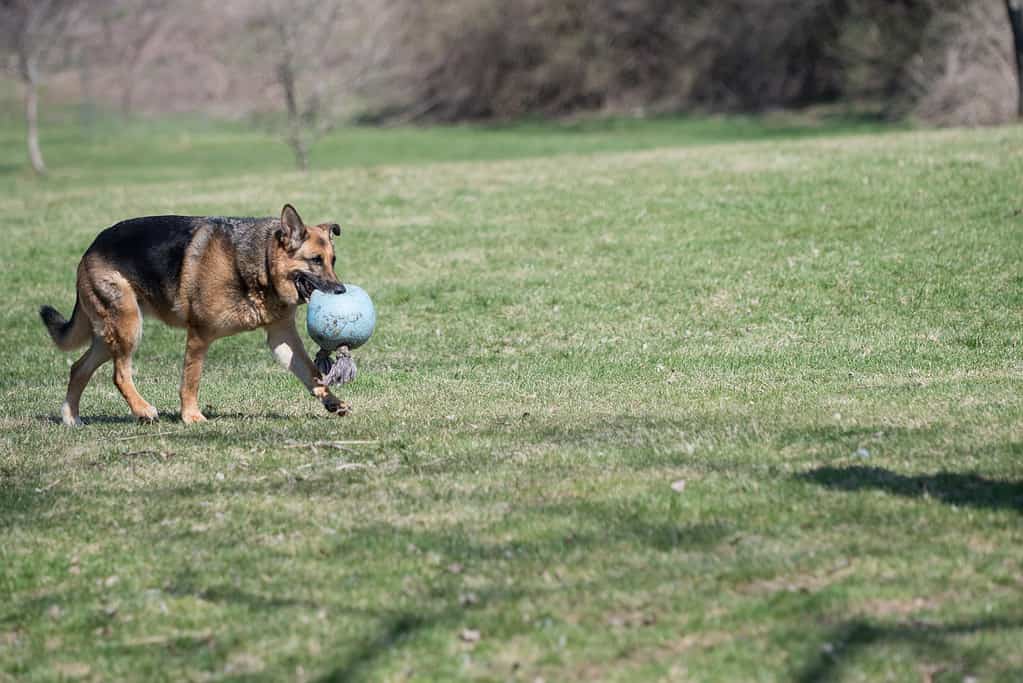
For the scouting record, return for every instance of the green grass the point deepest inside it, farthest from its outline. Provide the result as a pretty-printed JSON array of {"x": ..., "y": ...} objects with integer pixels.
[
  {"x": 820, "y": 336},
  {"x": 114, "y": 152}
]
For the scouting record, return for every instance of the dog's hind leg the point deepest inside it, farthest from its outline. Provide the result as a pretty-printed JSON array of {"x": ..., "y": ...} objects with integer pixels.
[
  {"x": 125, "y": 338},
  {"x": 113, "y": 307},
  {"x": 140, "y": 408},
  {"x": 121, "y": 329},
  {"x": 81, "y": 373}
]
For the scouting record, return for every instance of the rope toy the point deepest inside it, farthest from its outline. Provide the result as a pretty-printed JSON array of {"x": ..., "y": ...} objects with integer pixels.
[
  {"x": 339, "y": 323},
  {"x": 339, "y": 371}
]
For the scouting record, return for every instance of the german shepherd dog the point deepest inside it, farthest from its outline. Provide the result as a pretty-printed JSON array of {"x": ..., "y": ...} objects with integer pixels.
[{"x": 212, "y": 276}]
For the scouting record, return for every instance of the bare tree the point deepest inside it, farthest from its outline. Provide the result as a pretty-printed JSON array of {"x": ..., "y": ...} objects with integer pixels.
[
  {"x": 294, "y": 43},
  {"x": 317, "y": 54},
  {"x": 31, "y": 28},
  {"x": 141, "y": 26}
]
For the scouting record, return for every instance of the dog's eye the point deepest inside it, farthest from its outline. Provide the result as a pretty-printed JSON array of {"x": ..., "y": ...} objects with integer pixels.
[
  {"x": 333, "y": 260},
  {"x": 316, "y": 260}
]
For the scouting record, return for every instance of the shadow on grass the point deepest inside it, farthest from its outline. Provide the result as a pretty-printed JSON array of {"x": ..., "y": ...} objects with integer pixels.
[
  {"x": 389, "y": 615},
  {"x": 850, "y": 638},
  {"x": 187, "y": 646},
  {"x": 601, "y": 526},
  {"x": 653, "y": 441},
  {"x": 23, "y": 491},
  {"x": 850, "y": 438},
  {"x": 168, "y": 418},
  {"x": 188, "y": 583},
  {"x": 524, "y": 542},
  {"x": 93, "y": 419},
  {"x": 390, "y": 634},
  {"x": 948, "y": 487}
]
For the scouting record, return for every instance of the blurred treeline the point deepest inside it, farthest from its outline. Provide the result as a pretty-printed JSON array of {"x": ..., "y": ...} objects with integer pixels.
[
  {"x": 947, "y": 61},
  {"x": 944, "y": 61}
]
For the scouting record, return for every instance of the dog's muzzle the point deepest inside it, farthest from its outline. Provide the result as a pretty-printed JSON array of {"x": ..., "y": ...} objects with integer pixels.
[{"x": 307, "y": 283}]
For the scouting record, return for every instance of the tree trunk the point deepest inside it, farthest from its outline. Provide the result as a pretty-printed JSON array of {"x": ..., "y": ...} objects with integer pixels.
[
  {"x": 87, "y": 107},
  {"x": 1015, "y": 9},
  {"x": 30, "y": 77},
  {"x": 295, "y": 139},
  {"x": 301, "y": 153},
  {"x": 127, "y": 95}
]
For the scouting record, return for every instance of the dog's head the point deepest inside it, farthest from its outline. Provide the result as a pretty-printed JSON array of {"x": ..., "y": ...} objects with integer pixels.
[{"x": 305, "y": 258}]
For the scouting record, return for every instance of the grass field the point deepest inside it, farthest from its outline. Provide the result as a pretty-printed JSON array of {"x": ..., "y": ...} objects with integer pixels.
[{"x": 820, "y": 335}]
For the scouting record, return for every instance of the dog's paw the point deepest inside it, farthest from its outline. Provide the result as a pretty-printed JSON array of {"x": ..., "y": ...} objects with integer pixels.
[
  {"x": 148, "y": 415},
  {"x": 335, "y": 405},
  {"x": 68, "y": 417},
  {"x": 191, "y": 418}
]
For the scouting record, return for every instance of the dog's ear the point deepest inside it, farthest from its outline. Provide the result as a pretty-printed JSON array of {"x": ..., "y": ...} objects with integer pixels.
[
  {"x": 335, "y": 229},
  {"x": 292, "y": 232}
]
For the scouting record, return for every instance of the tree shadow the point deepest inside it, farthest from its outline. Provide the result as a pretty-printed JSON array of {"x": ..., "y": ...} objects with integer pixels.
[
  {"x": 181, "y": 645},
  {"x": 949, "y": 487},
  {"x": 849, "y": 438},
  {"x": 22, "y": 492},
  {"x": 579, "y": 526},
  {"x": 392, "y": 631},
  {"x": 187, "y": 583},
  {"x": 654, "y": 441},
  {"x": 592, "y": 522},
  {"x": 844, "y": 642}
]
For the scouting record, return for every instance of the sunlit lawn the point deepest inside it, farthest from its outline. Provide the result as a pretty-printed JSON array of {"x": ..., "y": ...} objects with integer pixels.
[{"x": 815, "y": 338}]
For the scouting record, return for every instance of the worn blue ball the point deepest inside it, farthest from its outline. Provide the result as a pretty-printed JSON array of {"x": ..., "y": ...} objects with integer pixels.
[{"x": 335, "y": 320}]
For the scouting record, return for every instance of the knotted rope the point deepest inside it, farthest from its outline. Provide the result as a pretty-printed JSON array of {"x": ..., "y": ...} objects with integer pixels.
[{"x": 340, "y": 371}]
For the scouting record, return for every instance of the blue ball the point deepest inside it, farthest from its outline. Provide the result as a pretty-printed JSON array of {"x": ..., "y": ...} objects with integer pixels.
[{"x": 335, "y": 320}]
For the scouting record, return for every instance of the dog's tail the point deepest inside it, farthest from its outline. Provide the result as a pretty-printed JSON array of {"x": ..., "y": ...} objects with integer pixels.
[{"x": 66, "y": 334}]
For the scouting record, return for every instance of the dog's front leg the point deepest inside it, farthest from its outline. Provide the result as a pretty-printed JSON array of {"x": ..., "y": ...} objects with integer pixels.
[{"x": 283, "y": 340}]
